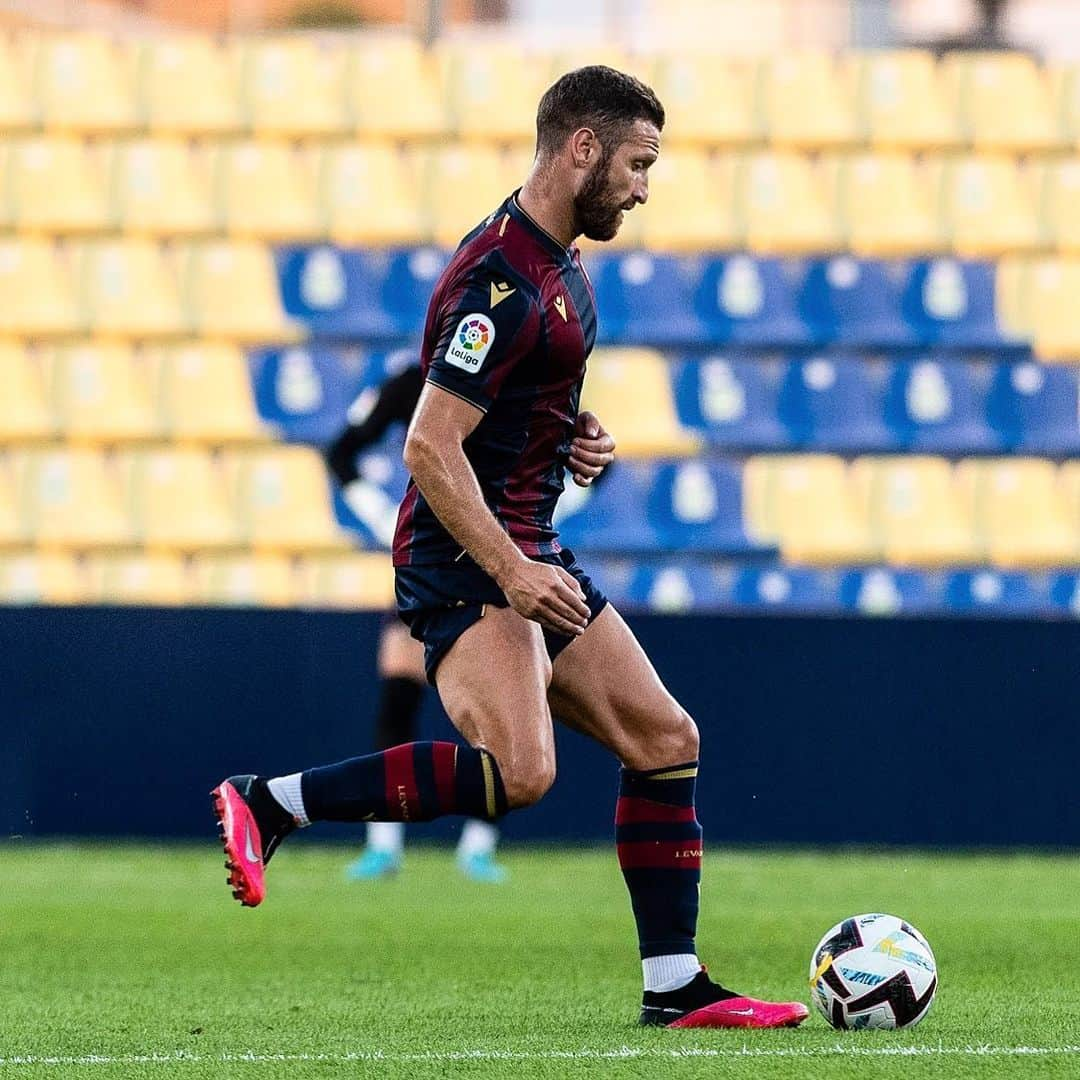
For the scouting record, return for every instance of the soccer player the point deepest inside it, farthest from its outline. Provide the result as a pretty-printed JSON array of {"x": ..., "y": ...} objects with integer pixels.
[
  {"x": 401, "y": 656},
  {"x": 513, "y": 628}
]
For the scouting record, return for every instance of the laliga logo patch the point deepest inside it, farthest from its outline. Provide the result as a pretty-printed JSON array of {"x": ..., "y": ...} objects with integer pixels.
[{"x": 471, "y": 341}]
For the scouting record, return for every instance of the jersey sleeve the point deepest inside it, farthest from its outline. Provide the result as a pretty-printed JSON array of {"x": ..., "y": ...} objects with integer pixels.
[{"x": 486, "y": 326}]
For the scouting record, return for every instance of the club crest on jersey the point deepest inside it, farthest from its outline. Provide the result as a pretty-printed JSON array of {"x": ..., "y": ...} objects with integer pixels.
[{"x": 471, "y": 342}]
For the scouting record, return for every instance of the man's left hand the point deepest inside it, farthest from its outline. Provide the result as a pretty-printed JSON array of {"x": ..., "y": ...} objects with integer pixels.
[{"x": 592, "y": 450}]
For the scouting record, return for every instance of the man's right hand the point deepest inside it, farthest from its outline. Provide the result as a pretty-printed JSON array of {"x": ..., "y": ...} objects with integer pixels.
[{"x": 548, "y": 595}]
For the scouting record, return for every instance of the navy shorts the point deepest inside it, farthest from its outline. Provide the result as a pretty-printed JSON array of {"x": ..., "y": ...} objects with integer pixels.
[{"x": 439, "y": 603}]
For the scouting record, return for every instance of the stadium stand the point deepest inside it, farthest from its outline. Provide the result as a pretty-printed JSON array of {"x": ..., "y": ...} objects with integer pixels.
[{"x": 848, "y": 305}]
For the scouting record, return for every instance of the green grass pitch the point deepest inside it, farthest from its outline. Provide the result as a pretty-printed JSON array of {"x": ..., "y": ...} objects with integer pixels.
[{"x": 133, "y": 960}]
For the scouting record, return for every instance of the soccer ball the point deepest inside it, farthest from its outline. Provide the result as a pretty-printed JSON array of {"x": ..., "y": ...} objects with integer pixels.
[{"x": 873, "y": 971}]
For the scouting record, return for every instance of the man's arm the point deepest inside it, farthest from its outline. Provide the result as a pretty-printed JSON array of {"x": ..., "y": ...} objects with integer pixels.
[{"x": 435, "y": 456}]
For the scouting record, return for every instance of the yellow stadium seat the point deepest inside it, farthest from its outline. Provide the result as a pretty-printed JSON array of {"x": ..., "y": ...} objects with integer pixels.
[
  {"x": 901, "y": 102},
  {"x": 570, "y": 59},
  {"x": 258, "y": 580},
  {"x": 690, "y": 205},
  {"x": 1012, "y": 298},
  {"x": 781, "y": 206},
  {"x": 128, "y": 289},
  {"x": 882, "y": 206},
  {"x": 804, "y": 503},
  {"x": 13, "y": 530},
  {"x": 914, "y": 509},
  {"x": 205, "y": 395},
  {"x": 84, "y": 82},
  {"x": 153, "y": 579},
  {"x": 284, "y": 499},
  {"x": 1021, "y": 512},
  {"x": 158, "y": 189},
  {"x": 1056, "y": 188},
  {"x": 179, "y": 501},
  {"x": 1003, "y": 101},
  {"x": 355, "y": 582},
  {"x": 368, "y": 196},
  {"x": 985, "y": 209},
  {"x": 1069, "y": 479},
  {"x": 36, "y": 288},
  {"x": 16, "y": 104},
  {"x": 708, "y": 99},
  {"x": 1048, "y": 302},
  {"x": 491, "y": 92},
  {"x": 462, "y": 185},
  {"x": 101, "y": 393},
  {"x": 266, "y": 190},
  {"x": 169, "y": 66},
  {"x": 41, "y": 578},
  {"x": 630, "y": 390},
  {"x": 24, "y": 410},
  {"x": 802, "y": 101},
  {"x": 71, "y": 498},
  {"x": 56, "y": 185},
  {"x": 392, "y": 89},
  {"x": 292, "y": 86},
  {"x": 231, "y": 292}
]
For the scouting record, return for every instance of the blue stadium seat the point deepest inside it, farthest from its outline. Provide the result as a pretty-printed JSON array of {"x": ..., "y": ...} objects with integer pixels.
[
  {"x": 885, "y": 591},
  {"x": 857, "y": 303},
  {"x": 837, "y": 404},
  {"x": 678, "y": 586},
  {"x": 612, "y": 516},
  {"x": 1065, "y": 593},
  {"x": 790, "y": 589},
  {"x": 1037, "y": 408},
  {"x": 999, "y": 593},
  {"x": 733, "y": 399},
  {"x": 940, "y": 407},
  {"x": 949, "y": 303},
  {"x": 647, "y": 299},
  {"x": 359, "y": 294}
]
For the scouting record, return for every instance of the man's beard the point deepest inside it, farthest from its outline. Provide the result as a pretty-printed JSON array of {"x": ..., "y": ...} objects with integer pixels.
[{"x": 598, "y": 215}]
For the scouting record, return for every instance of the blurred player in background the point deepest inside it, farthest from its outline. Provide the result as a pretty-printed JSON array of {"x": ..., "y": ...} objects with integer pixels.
[{"x": 401, "y": 656}]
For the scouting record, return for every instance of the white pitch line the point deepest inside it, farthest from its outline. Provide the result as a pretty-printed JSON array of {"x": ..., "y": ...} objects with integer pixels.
[{"x": 182, "y": 1057}]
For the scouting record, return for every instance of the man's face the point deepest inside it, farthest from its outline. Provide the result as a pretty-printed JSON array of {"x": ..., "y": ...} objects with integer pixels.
[{"x": 617, "y": 182}]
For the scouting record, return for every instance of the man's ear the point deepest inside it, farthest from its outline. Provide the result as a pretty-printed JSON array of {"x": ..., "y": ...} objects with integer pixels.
[{"x": 584, "y": 147}]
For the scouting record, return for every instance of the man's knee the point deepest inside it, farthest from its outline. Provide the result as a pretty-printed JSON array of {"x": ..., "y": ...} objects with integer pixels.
[
  {"x": 678, "y": 737},
  {"x": 525, "y": 785}
]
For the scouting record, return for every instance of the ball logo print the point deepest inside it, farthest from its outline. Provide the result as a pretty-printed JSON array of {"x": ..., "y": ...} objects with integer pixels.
[{"x": 473, "y": 338}]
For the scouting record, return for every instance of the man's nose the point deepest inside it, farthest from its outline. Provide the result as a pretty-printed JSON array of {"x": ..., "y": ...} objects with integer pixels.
[{"x": 641, "y": 192}]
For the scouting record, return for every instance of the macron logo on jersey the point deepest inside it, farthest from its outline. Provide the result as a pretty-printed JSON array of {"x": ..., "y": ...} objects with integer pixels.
[{"x": 471, "y": 342}]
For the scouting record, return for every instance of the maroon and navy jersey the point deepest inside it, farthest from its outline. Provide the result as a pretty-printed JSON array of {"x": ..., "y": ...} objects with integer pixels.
[{"x": 509, "y": 328}]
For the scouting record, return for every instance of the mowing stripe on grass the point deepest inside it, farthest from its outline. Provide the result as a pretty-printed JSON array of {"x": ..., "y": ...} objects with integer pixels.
[{"x": 182, "y": 1057}]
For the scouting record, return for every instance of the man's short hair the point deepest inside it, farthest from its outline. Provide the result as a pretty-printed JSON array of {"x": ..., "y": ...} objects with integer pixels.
[{"x": 597, "y": 97}]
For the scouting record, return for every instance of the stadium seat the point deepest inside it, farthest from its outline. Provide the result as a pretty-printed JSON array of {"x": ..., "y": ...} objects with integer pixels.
[
  {"x": 41, "y": 578},
  {"x": 1021, "y": 512},
  {"x": 630, "y": 390},
  {"x": 837, "y": 404},
  {"x": 612, "y": 516},
  {"x": 102, "y": 394},
  {"x": 708, "y": 99},
  {"x": 1037, "y": 409},
  {"x": 881, "y": 205},
  {"x": 16, "y": 104},
  {"x": 55, "y": 185},
  {"x": 733, "y": 400},
  {"x": 204, "y": 395},
  {"x": 127, "y": 289},
  {"x": 36, "y": 286},
  {"x": 169, "y": 66},
  {"x": 392, "y": 89},
  {"x": 570, "y": 58},
  {"x": 25, "y": 414},
  {"x": 885, "y": 592},
  {"x": 857, "y": 303},
  {"x": 1002, "y": 100},
  {"x": 900, "y": 98},
  {"x": 158, "y": 189},
  {"x": 997, "y": 593},
  {"x": 83, "y": 82},
  {"x": 356, "y": 582},
  {"x": 670, "y": 587},
  {"x": 985, "y": 209},
  {"x": 284, "y": 500},
  {"x": 780, "y": 205},
  {"x": 368, "y": 196},
  {"x": 491, "y": 92},
  {"x": 689, "y": 207},
  {"x": 179, "y": 501},
  {"x": 292, "y": 86},
  {"x": 231, "y": 292},
  {"x": 802, "y": 103},
  {"x": 70, "y": 498},
  {"x": 804, "y": 503},
  {"x": 248, "y": 580},
  {"x": 791, "y": 589},
  {"x": 461, "y": 185},
  {"x": 13, "y": 526},
  {"x": 266, "y": 190},
  {"x": 1056, "y": 184},
  {"x": 697, "y": 506},
  {"x": 1049, "y": 288},
  {"x": 940, "y": 407},
  {"x": 1069, "y": 479},
  {"x": 157, "y": 580},
  {"x": 1065, "y": 593},
  {"x": 913, "y": 508}
]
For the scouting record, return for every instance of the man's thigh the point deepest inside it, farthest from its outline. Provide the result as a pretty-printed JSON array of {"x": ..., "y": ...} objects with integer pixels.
[{"x": 604, "y": 686}]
